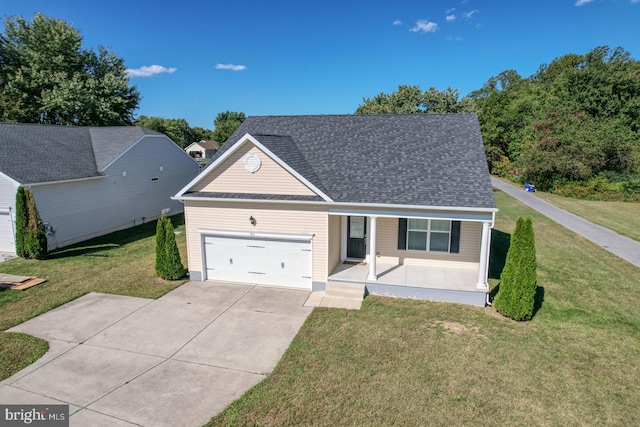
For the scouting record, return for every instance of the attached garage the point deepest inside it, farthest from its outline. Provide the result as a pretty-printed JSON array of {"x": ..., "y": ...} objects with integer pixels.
[
  {"x": 263, "y": 259},
  {"x": 6, "y": 231}
]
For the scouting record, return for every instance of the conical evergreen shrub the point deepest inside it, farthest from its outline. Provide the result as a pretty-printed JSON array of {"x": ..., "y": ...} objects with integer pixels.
[
  {"x": 31, "y": 240},
  {"x": 161, "y": 247},
  {"x": 175, "y": 269},
  {"x": 518, "y": 281},
  {"x": 22, "y": 222}
]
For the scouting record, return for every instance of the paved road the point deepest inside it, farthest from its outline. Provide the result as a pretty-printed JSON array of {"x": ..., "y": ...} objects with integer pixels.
[{"x": 621, "y": 246}]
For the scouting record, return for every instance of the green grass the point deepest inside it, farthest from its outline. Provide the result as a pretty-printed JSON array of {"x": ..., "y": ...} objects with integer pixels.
[
  {"x": 621, "y": 217},
  {"x": 120, "y": 263},
  {"x": 406, "y": 362},
  {"x": 18, "y": 351}
]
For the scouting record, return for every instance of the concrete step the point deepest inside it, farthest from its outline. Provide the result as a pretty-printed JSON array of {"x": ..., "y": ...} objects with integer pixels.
[
  {"x": 345, "y": 290},
  {"x": 320, "y": 299}
]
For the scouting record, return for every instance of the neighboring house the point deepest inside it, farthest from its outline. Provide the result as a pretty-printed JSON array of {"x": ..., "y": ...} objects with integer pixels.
[
  {"x": 89, "y": 181},
  {"x": 400, "y": 203},
  {"x": 202, "y": 149}
]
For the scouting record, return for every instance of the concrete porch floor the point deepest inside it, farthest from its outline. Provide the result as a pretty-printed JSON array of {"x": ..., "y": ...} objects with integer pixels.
[{"x": 447, "y": 284}]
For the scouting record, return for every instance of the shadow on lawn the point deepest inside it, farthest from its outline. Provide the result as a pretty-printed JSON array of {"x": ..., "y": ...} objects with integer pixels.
[{"x": 98, "y": 245}]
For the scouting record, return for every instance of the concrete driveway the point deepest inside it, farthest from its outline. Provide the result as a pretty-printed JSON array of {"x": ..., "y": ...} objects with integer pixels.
[{"x": 174, "y": 361}]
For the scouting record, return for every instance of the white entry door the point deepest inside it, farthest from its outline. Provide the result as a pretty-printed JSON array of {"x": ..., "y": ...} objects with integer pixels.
[
  {"x": 276, "y": 262},
  {"x": 6, "y": 232}
]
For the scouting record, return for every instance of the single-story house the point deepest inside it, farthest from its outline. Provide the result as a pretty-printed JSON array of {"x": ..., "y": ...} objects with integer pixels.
[
  {"x": 400, "y": 203},
  {"x": 89, "y": 181},
  {"x": 202, "y": 149}
]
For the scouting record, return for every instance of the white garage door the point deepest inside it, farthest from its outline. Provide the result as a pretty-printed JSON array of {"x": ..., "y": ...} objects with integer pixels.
[
  {"x": 263, "y": 261},
  {"x": 6, "y": 232}
]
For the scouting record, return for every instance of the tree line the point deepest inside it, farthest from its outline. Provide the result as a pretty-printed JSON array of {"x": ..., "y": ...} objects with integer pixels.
[{"x": 571, "y": 127}]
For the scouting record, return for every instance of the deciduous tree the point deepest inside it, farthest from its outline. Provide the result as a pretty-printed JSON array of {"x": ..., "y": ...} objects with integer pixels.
[{"x": 47, "y": 77}]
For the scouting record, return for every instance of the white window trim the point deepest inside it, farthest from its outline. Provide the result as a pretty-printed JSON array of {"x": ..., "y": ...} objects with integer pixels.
[{"x": 429, "y": 231}]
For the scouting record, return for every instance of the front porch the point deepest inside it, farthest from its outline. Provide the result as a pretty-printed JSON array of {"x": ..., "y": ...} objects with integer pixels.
[{"x": 426, "y": 282}]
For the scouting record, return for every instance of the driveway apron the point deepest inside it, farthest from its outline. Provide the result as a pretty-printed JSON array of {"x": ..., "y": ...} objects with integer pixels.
[
  {"x": 174, "y": 361},
  {"x": 621, "y": 246}
]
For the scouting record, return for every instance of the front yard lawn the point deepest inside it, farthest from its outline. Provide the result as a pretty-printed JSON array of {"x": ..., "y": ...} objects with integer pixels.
[
  {"x": 621, "y": 217},
  {"x": 120, "y": 263},
  {"x": 405, "y": 362}
]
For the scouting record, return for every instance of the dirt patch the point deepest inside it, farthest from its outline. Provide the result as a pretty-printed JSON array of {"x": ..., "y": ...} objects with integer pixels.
[{"x": 458, "y": 327}]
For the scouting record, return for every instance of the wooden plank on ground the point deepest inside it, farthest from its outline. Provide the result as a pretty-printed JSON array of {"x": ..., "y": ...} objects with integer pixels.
[{"x": 21, "y": 285}]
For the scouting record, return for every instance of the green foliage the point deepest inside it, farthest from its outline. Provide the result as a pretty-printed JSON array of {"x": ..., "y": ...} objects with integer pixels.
[
  {"x": 175, "y": 269},
  {"x": 518, "y": 281},
  {"x": 168, "y": 263},
  {"x": 225, "y": 124},
  {"x": 177, "y": 129},
  {"x": 412, "y": 100},
  {"x": 161, "y": 252},
  {"x": 31, "y": 240},
  {"x": 22, "y": 222},
  {"x": 573, "y": 120},
  {"x": 46, "y": 77}
]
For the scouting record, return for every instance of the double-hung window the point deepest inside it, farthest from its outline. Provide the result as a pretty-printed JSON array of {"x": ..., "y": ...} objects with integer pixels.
[{"x": 431, "y": 235}]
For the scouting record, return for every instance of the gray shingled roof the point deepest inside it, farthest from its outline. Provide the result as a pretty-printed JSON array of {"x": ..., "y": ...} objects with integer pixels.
[
  {"x": 413, "y": 159},
  {"x": 31, "y": 153}
]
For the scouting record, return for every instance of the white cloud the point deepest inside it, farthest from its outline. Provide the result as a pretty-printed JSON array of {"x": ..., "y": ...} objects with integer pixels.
[
  {"x": 469, "y": 15},
  {"x": 424, "y": 26},
  {"x": 635, "y": 1},
  {"x": 149, "y": 70},
  {"x": 397, "y": 22},
  {"x": 582, "y": 2},
  {"x": 451, "y": 18},
  {"x": 231, "y": 67},
  {"x": 448, "y": 11}
]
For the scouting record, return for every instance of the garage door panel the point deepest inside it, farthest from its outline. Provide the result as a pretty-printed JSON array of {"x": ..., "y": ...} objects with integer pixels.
[
  {"x": 260, "y": 261},
  {"x": 6, "y": 233}
]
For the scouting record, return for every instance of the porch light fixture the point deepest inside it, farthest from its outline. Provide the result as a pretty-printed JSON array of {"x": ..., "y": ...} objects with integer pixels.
[{"x": 252, "y": 220}]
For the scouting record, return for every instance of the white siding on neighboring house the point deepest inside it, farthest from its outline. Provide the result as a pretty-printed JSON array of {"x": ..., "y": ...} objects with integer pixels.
[
  {"x": 79, "y": 210},
  {"x": 8, "y": 188}
]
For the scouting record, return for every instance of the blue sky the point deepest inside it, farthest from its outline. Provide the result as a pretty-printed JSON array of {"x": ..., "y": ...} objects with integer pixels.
[{"x": 194, "y": 59}]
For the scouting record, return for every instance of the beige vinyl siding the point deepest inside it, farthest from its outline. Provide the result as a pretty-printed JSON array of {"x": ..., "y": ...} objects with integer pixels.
[
  {"x": 270, "y": 218},
  {"x": 335, "y": 240},
  {"x": 231, "y": 177},
  {"x": 387, "y": 247}
]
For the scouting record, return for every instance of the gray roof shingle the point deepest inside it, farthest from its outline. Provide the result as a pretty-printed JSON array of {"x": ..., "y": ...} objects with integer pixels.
[
  {"x": 32, "y": 153},
  {"x": 413, "y": 159}
]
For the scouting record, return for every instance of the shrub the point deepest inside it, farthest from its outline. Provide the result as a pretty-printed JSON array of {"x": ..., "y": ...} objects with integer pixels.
[
  {"x": 31, "y": 240},
  {"x": 175, "y": 269},
  {"x": 518, "y": 282},
  {"x": 161, "y": 247},
  {"x": 168, "y": 263},
  {"x": 22, "y": 222}
]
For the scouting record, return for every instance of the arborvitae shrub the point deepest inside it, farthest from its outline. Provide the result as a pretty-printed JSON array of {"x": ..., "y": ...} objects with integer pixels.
[
  {"x": 22, "y": 222},
  {"x": 31, "y": 240},
  {"x": 518, "y": 283},
  {"x": 161, "y": 247},
  {"x": 175, "y": 269}
]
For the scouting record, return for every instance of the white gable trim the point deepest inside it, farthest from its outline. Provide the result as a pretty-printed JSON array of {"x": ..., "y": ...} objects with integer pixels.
[
  {"x": 8, "y": 178},
  {"x": 247, "y": 138}
]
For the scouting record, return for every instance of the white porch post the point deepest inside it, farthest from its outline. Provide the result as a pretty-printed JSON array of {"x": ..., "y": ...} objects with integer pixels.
[
  {"x": 373, "y": 223},
  {"x": 484, "y": 257}
]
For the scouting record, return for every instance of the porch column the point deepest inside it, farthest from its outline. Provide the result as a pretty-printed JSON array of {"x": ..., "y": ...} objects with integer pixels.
[
  {"x": 484, "y": 256},
  {"x": 373, "y": 225}
]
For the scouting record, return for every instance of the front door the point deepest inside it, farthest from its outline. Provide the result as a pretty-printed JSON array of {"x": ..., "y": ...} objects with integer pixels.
[{"x": 356, "y": 229}]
